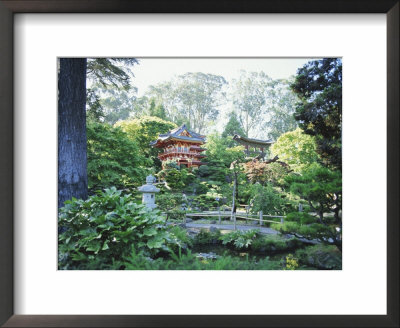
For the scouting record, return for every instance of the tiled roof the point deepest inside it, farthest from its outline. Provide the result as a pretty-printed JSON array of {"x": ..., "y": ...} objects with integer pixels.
[
  {"x": 249, "y": 141},
  {"x": 175, "y": 133}
]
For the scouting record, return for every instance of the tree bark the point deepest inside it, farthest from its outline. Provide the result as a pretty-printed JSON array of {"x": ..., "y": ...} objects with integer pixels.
[{"x": 72, "y": 158}]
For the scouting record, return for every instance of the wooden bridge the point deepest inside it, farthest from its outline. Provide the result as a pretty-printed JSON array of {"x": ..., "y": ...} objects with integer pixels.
[{"x": 259, "y": 218}]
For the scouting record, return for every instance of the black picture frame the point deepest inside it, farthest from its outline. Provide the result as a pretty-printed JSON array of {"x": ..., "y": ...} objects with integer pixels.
[{"x": 7, "y": 10}]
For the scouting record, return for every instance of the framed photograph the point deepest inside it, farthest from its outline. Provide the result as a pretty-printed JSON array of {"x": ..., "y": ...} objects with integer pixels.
[{"x": 215, "y": 153}]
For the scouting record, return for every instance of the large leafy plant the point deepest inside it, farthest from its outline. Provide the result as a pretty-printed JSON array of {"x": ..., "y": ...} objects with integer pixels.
[
  {"x": 104, "y": 229},
  {"x": 239, "y": 239}
]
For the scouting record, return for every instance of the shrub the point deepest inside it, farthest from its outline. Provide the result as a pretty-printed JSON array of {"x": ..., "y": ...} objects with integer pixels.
[
  {"x": 325, "y": 257},
  {"x": 172, "y": 204},
  {"x": 176, "y": 178},
  {"x": 189, "y": 261},
  {"x": 180, "y": 237},
  {"x": 272, "y": 244},
  {"x": 207, "y": 237},
  {"x": 268, "y": 199},
  {"x": 300, "y": 217},
  {"x": 103, "y": 229},
  {"x": 239, "y": 239}
]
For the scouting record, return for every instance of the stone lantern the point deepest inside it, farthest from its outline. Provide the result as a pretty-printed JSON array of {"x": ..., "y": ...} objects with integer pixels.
[{"x": 149, "y": 191}]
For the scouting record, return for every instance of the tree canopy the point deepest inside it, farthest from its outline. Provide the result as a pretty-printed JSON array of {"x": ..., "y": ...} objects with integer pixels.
[
  {"x": 192, "y": 98},
  {"x": 249, "y": 94},
  {"x": 111, "y": 95},
  {"x": 296, "y": 149},
  {"x": 113, "y": 158},
  {"x": 144, "y": 130},
  {"x": 318, "y": 85},
  {"x": 231, "y": 128},
  {"x": 279, "y": 108}
]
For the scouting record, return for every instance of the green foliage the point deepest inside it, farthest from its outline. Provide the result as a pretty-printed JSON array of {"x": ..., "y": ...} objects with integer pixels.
[
  {"x": 104, "y": 229},
  {"x": 205, "y": 237},
  {"x": 176, "y": 179},
  {"x": 269, "y": 200},
  {"x": 113, "y": 159},
  {"x": 300, "y": 217},
  {"x": 280, "y": 108},
  {"x": 315, "y": 231},
  {"x": 219, "y": 158},
  {"x": 320, "y": 187},
  {"x": 116, "y": 103},
  {"x": 188, "y": 261},
  {"x": 110, "y": 96},
  {"x": 296, "y": 149},
  {"x": 239, "y": 239},
  {"x": 274, "y": 244},
  {"x": 231, "y": 128},
  {"x": 172, "y": 204},
  {"x": 191, "y": 98},
  {"x": 249, "y": 94},
  {"x": 263, "y": 104},
  {"x": 206, "y": 201},
  {"x": 94, "y": 109},
  {"x": 325, "y": 257},
  {"x": 218, "y": 150},
  {"x": 318, "y": 85},
  {"x": 144, "y": 130},
  {"x": 171, "y": 164},
  {"x": 180, "y": 238},
  {"x": 109, "y": 71},
  {"x": 157, "y": 110}
]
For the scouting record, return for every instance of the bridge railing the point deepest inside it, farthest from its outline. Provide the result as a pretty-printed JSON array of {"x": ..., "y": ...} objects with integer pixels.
[{"x": 233, "y": 216}]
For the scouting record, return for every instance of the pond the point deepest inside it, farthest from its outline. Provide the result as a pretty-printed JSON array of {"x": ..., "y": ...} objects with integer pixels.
[{"x": 211, "y": 251}]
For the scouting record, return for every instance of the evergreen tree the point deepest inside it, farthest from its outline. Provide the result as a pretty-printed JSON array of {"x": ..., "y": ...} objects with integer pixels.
[
  {"x": 231, "y": 128},
  {"x": 318, "y": 84},
  {"x": 111, "y": 95},
  {"x": 157, "y": 110},
  {"x": 72, "y": 97},
  {"x": 72, "y": 175}
]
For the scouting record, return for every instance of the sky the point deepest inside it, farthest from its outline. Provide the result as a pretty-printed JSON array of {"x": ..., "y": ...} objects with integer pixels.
[{"x": 152, "y": 71}]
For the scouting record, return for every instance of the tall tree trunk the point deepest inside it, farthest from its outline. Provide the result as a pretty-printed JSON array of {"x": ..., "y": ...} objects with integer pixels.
[{"x": 72, "y": 160}]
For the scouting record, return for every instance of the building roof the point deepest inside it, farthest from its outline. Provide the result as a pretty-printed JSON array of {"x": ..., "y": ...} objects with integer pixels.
[
  {"x": 177, "y": 134},
  {"x": 252, "y": 142}
]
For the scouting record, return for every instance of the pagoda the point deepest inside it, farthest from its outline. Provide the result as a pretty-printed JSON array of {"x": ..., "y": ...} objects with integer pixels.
[
  {"x": 253, "y": 146},
  {"x": 182, "y": 146}
]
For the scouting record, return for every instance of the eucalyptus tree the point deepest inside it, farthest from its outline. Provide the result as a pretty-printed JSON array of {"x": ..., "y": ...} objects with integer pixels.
[
  {"x": 111, "y": 103},
  {"x": 199, "y": 96},
  {"x": 279, "y": 109},
  {"x": 264, "y": 106},
  {"x": 191, "y": 98},
  {"x": 249, "y": 95}
]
